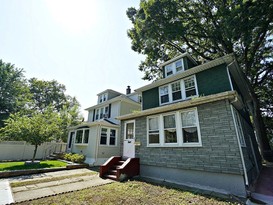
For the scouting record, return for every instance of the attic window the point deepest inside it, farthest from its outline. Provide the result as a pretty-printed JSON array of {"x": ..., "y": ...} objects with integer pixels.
[
  {"x": 174, "y": 67},
  {"x": 102, "y": 97}
]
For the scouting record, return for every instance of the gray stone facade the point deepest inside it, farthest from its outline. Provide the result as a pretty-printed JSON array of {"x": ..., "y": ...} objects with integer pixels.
[
  {"x": 218, "y": 161},
  {"x": 219, "y": 151}
]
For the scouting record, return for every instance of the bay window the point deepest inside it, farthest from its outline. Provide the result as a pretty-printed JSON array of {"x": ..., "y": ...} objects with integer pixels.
[
  {"x": 82, "y": 136},
  {"x": 180, "y": 128}
]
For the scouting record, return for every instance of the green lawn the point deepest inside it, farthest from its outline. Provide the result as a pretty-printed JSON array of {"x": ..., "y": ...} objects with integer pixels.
[
  {"x": 132, "y": 192},
  {"x": 9, "y": 166}
]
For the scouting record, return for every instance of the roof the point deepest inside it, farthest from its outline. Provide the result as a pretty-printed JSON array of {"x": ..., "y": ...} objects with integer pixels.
[
  {"x": 230, "y": 95},
  {"x": 109, "y": 90},
  {"x": 102, "y": 122},
  {"x": 177, "y": 58},
  {"x": 225, "y": 59},
  {"x": 122, "y": 97}
]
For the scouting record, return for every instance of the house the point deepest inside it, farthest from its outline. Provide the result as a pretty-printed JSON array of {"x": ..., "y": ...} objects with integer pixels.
[
  {"x": 194, "y": 128},
  {"x": 98, "y": 138}
]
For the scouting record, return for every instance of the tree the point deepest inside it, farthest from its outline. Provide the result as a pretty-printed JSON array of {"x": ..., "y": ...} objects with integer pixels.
[
  {"x": 35, "y": 129},
  {"x": 210, "y": 29},
  {"x": 14, "y": 92}
]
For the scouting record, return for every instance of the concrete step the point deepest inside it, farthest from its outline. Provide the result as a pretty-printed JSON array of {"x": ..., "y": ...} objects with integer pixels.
[
  {"x": 112, "y": 171},
  {"x": 110, "y": 176}
]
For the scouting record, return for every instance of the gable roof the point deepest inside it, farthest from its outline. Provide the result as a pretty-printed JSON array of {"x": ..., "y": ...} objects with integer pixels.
[
  {"x": 177, "y": 58},
  {"x": 121, "y": 97},
  {"x": 225, "y": 59}
]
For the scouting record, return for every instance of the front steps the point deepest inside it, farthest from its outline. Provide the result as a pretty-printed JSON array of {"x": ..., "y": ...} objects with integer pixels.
[{"x": 118, "y": 169}]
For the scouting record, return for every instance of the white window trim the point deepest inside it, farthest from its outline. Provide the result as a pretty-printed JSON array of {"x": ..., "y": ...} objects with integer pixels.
[
  {"x": 239, "y": 128},
  {"x": 179, "y": 133},
  {"x": 174, "y": 68},
  {"x": 101, "y": 98},
  {"x": 108, "y": 137},
  {"x": 183, "y": 91},
  {"x": 125, "y": 126},
  {"x": 98, "y": 112},
  {"x": 82, "y": 143}
]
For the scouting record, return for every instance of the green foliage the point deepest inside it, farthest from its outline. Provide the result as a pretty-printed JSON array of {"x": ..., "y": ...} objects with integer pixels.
[
  {"x": 77, "y": 158},
  {"x": 208, "y": 29},
  {"x": 14, "y": 92},
  {"x": 34, "y": 129},
  {"x": 8, "y": 166}
]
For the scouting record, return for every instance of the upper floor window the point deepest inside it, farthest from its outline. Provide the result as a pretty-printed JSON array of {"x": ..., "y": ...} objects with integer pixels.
[
  {"x": 102, "y": 97},
  {"x": 102, "y": 113},
  {"x": 174, "y": 67},
  {"x": 179, "y": 90},
  {"x": 82, "y": 136}
]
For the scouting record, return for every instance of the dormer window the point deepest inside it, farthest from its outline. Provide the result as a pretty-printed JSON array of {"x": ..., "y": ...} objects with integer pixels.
[
  {"x": 102, "y": 97},
  {"x": 174, "y": 67}
]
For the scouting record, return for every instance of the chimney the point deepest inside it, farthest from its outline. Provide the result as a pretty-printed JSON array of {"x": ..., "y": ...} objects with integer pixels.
[{"x": 128, "y": 90}]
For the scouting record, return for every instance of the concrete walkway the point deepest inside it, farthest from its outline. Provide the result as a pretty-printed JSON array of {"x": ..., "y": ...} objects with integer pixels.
[{"x": 53, "y": 187}]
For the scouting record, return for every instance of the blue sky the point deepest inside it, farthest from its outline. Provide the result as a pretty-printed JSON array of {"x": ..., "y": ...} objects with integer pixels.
[{"x": 82, "y": 44}]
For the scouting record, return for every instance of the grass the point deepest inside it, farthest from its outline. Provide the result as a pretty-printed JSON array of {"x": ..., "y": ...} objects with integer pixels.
[
  {"x": 132, "y": 192},
  {"x": 11, "y": 166},
  {"x": 35, "y": 181}
]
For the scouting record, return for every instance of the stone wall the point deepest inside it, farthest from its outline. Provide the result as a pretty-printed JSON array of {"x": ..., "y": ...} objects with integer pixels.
[{"x": 219, "y": 152}]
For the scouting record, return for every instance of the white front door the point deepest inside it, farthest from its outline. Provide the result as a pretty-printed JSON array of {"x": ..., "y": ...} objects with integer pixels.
[{"x": 129, "y": 139}]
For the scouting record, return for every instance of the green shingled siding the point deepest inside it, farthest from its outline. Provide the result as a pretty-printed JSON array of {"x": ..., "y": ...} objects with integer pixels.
[
  {"x": 188, "y": 64},
  {"x": 150, "y": 98},
  {"x": 213, "y": 81}
]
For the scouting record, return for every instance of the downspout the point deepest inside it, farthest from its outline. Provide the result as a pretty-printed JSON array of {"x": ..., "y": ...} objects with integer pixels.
[
  {"x": 97, "y": 144},
  {"x": 229, "y": 78},
  {"x": 239, "y": 144}
]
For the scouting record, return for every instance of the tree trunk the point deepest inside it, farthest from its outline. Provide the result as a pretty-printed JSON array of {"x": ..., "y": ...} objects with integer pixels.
[
  {"x": 260, "y": 129},
  {"x": 34, "y": 154}
]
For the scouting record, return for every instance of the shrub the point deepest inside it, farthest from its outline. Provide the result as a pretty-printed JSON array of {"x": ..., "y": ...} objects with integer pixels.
[
  {"x": 68, "y": 156},
  {"x": 78, "y": 158}
]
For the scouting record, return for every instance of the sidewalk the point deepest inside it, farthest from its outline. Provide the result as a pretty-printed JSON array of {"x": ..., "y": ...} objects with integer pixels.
[{"x": 53, "y": 187}]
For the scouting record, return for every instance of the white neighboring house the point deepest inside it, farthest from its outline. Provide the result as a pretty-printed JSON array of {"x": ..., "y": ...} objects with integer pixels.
[{"x": 98, "y": 138}]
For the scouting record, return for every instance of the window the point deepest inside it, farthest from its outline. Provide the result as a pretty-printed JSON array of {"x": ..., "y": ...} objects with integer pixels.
[
  {"x": 130, "y": 130},
  {"x": 240, "y": 129},
  {"x": 190, "y": 89},
  {"x": 169, "y": 129},
  {"x": 103, "y": 136},
  {"x": 108, "y": 136},
  {"x": 112, "y": 137},
  {"x": 153, "y": 130},
  {"x": 164, "y": 94},
  {"x": 169, "y": 70},
  {"x": 178, "y": 65},
  {"x": 97, "y": 114},
  {"x": 174, "y": 67},
  {"x": 102, "y": 97},
  {"x": 82, "y": 136},
  {"x": 179, "y": 90},
  {"x": 102, "y": 113},
  {"x": 189, "y": 127},
  {"x": 176, "y": 91},
  {"x": 174, "y": 129}
]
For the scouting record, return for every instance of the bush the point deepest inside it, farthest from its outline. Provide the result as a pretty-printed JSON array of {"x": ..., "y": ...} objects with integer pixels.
[{"x": 76, "y": 158}]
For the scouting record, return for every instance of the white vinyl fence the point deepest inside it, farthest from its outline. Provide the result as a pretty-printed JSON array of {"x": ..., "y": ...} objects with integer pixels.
[{"x": 20, "y": 150}]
